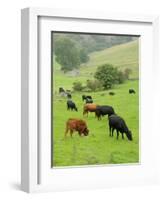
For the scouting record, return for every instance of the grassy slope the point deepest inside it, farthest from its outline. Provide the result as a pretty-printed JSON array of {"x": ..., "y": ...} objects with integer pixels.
[
  {"x": 98, "y": 147},
  {"x": 122, "y": 56}
]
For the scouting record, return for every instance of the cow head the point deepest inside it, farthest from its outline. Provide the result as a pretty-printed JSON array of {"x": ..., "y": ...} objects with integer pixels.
[
  {"x": 76, "y": 109},
  {"x": 129, "y": 135},
  {"x": 85, "y": 131}
]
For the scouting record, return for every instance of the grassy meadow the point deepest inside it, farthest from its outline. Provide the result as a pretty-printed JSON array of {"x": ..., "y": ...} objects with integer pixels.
[{"x": 98, "y": 147}]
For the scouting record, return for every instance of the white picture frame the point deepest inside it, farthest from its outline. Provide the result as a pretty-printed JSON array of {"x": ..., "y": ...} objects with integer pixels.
[{"x": 36, "y": 171}]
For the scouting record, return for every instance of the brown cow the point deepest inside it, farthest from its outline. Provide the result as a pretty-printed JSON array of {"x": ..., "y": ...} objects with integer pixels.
[
  {"x": 89, "y": 107},
  {"x": 76, "y": 125}
]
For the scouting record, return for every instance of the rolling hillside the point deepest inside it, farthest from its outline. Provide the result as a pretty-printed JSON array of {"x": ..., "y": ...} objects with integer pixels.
[
  {"x": 98, "y": 147},
  {"x": 122, "y": 56}
]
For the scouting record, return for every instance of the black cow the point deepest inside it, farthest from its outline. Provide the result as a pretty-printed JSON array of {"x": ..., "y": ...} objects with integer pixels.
[
  {"x": 103, "y": 110},
  {"x": 84, "y": 97},
  {"x": 69, "y": 96},
  {"x": 61, "y": 90},
  {"x": 111, "y": 93},
  {"x": 71, "y": 105},
  {"x": 132, "y": 91},
  {"x": 116, "y": 122},
  {"x": 88, "y": 100}
]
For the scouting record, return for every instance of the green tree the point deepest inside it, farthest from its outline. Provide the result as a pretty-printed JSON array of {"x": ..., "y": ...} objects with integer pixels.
[
  {"x": 107, "y": 75},
  {"x": 67, "y": 55},
  {"x": 83, "y": 56},
  {"x": 77, "y": 86}
]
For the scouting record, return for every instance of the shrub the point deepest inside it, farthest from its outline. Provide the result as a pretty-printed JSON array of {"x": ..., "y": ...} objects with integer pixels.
[
  {"x": 107, "y": 75},
  {"x": 77, "y": 86},
  {"x": 127, "y": 73},
  {"x": 94, "y": 85},
  {"x": 121, "y": 77}
]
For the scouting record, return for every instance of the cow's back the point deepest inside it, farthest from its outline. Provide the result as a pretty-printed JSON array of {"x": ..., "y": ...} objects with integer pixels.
[
  {"x": 75, "y": 123},
  {"x": 105, "y": 110},
  {"x": 118, "y": 123},
  {"x": 90, "y": 106}
]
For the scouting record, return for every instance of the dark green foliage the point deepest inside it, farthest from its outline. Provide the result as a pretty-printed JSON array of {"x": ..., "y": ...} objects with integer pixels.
[
  {"x": 83, "y": 56},
  {"x": 107, "y": 75},
  {"x": 77, "y": 86},
  {"x": 67, "y": 55}
]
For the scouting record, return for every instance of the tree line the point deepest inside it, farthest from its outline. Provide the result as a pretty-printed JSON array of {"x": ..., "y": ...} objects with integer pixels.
[{"x": 71, "y": 50}]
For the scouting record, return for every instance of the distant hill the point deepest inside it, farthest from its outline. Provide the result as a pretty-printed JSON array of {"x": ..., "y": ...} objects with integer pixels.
[
  {"x": 122, "y": 56},
  {"x": 92, "y": 42}
]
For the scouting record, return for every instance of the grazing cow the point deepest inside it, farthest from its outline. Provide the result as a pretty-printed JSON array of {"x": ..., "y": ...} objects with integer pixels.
[
  {"x": 84, "y": 97},
  {"x": 111, "y": 93},
  {"x": 61, "y": 90},
  {"x": 76, "y": 125},
  {"x": 71, "y": 105},
  {"x": 69, "y": 96},
  {"x": 89, "y": 108},
  {"x": 116, "y": 122},
  {"x": 132, "y": 91},
  {"x": 88, "y": 100},
  {"x": 104, "y": 110}
]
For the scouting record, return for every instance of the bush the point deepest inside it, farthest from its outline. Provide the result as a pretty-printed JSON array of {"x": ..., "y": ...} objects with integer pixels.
[
  {"x": 107, "y": 75},
  {"x": 77, "y": 86},
  {"x": 127, "y": 73},
  {"x": 94, "y": 85},
  {"x": 121, "y": 77}
]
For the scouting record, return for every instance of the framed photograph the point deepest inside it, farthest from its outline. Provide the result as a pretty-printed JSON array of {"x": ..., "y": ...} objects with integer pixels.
[{"x": 89, "y": 100}]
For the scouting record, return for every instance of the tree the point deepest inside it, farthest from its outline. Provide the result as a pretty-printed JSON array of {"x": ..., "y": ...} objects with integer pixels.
[
  {"x": 83, "y": 56},
  {"x": 77, "y": 86},
  {"x": 107, "y": 75},
  {"x": 67, "y": 55}
]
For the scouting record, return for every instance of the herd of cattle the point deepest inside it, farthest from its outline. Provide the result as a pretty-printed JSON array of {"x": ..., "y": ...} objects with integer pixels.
[{"x": 115, "y": 122}]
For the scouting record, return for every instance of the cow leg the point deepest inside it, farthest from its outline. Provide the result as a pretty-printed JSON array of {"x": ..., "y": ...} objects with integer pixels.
[
  {"x": 71, "y": 132},
  {"x": 112, "y": 132},
  {"x": 122, "y": 136},
  {"x": 117, "y": 134},
  {"x": 66, "y": 131}
]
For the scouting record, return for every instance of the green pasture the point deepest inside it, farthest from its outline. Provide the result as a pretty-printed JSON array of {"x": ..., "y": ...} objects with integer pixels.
[{"x": 98, "y": 147}]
